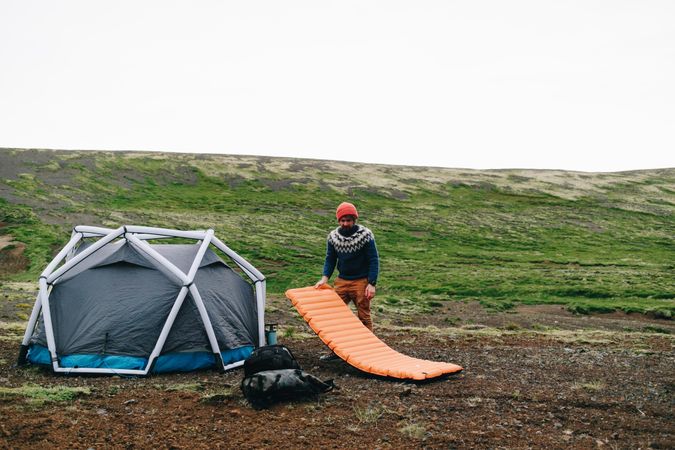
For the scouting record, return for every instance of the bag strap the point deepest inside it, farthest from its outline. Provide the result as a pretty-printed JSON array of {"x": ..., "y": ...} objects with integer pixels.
[
  {"x": 331, "y": 385},
  {"x": 290, "y": 352}
]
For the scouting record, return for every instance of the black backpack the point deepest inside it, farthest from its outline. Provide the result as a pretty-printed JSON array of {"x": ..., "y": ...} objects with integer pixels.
[
  {"x": 272, "y": 374},
  {"x": 270, "y": 357}
]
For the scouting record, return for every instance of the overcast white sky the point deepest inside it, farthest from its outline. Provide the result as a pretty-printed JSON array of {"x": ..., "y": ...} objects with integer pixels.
[{"x": 584, "y": 85}]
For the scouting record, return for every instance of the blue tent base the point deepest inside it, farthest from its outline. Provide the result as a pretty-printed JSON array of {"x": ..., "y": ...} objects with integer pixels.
[{"x": 170, "y": 362}]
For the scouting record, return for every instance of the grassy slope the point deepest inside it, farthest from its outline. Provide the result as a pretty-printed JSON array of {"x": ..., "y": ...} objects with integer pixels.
[{"x": 590, "y": 241}]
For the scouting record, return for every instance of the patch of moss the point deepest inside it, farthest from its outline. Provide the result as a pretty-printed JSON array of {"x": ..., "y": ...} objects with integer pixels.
[{"x": 38, "y": 395}]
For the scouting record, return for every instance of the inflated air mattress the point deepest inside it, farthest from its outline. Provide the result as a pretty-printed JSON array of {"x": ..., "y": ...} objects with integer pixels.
[{"x": 335, "y": 324}]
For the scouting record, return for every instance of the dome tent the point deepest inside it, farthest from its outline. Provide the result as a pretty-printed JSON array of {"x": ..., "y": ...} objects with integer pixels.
[{"x": 120, "y": 305}]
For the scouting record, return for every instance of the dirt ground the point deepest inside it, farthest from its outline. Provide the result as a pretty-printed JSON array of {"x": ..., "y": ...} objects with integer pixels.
[{"x": 534, "y": 377}]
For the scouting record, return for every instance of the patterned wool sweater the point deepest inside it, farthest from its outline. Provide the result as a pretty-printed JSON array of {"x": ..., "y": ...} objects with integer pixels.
[{"x": 355, "y": 253}]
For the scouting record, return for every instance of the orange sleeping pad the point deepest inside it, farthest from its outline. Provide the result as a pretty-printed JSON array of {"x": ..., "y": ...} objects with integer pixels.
[{"x": 336, "y": 325}]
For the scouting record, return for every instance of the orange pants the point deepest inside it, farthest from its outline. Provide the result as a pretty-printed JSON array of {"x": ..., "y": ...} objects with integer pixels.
[{"x": 355, "y": 291}]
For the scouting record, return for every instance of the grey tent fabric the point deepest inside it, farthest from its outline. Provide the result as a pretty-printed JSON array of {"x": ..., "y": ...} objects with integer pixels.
[
  {"x": 180, "y": 255},
  {"x": 224, "y": 293},
  {"x": 116, "y": 301}
]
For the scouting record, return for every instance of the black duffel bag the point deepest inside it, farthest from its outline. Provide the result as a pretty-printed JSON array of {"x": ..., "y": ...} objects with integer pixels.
[{"x": 269, "y": 386}]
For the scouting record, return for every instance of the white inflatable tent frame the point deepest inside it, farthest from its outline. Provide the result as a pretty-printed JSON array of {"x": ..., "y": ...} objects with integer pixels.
[{"x": 137, "y": 236}]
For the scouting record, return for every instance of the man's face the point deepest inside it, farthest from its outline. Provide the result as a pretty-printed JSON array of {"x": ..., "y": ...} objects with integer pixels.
[{"x": 346, "y": 221}]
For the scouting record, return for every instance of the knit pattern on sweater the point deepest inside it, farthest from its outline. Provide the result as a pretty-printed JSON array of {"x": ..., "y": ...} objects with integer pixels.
[{"x": 353, "y": 243}]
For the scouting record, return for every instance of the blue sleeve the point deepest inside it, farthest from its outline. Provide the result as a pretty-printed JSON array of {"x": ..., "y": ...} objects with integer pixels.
[
  {"x": 331, "y": 260},
  {"x": 373, "y": 263}
]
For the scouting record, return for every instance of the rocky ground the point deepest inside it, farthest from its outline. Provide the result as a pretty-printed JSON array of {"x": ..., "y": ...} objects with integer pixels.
[{"x": 534, "y": 377}]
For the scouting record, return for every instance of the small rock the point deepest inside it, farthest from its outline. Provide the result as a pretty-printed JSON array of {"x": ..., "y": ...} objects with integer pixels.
[
  {"x": 557, "y": 425},
  {"x": 405, "y": 392},
  {"x": 129, "y": 402},
  {"x": 568, "y": 432},
  {"x": 102, "y": 412}
]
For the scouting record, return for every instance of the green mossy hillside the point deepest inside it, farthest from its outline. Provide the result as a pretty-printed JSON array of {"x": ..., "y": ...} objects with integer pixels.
[{"x": 593, "y": 242}]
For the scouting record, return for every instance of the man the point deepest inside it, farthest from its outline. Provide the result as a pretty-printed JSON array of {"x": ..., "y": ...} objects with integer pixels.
[{"x": 353, "y": 248}]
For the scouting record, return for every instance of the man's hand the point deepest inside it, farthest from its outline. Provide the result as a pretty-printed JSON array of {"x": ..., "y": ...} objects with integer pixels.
[
  {"x": 321, "y": 282},
  {"x": 370, "y": 291}
]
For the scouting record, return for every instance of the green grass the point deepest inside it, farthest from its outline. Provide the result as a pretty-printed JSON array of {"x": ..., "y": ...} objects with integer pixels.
[
  {"x": 369, "y": 414},
  {"x": 413, "y": 430},
  {"x": 655, "y": 329},
  {"x": 184, "y": 387},
  {"x": 218, "y": 396},
  {"x": 38, "y": 395},
  {"x": 469, "y": 236}
]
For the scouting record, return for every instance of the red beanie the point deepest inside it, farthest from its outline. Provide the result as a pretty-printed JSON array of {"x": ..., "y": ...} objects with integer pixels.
[{"x": 346, "y": 209}]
